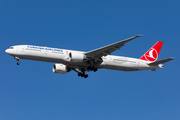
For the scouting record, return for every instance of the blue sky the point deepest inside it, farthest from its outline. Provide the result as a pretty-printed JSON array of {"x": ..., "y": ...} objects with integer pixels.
[{"x": 33, "y": 91}]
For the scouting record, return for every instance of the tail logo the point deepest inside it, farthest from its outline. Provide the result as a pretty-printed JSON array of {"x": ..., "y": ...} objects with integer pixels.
[{"x": 152, "y": 55}]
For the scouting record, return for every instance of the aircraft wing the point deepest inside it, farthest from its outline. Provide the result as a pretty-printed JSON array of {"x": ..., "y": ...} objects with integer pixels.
[{"x": 106, "y": 50}]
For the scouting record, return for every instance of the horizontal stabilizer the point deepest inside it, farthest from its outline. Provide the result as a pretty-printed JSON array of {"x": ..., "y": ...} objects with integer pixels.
[{"x": 161, "y": 61}]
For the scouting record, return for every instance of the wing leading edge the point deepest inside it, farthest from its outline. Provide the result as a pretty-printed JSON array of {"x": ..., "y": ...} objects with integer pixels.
[{"x": 106, "y": 50}]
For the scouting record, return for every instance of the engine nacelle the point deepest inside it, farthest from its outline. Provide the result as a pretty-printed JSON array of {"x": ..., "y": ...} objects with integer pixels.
[
  {"x": 77, "y": 57},
  {"x": 60, "y": 69}
]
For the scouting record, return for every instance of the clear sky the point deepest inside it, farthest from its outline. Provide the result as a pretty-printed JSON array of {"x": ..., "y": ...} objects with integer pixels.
[{"x": 31, "y": 91}]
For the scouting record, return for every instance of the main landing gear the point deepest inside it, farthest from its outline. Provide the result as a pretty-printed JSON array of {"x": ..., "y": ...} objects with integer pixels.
[
  {"x": 81, "y": 72},
  {"x": 18, "y": 63},
  {"x": 92, "y": 68},
  {"x": 83, "y": 75}
]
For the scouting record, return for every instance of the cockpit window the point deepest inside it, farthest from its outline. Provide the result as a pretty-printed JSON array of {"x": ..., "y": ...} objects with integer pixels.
[{"x": 11, "y": 48}]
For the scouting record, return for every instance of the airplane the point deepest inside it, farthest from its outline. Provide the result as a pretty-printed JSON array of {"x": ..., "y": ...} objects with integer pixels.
[{"x": 82, "y": 62}]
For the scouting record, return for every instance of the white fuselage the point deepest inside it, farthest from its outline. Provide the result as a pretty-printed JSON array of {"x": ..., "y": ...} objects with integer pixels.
[{"x": 56, "y": 55}]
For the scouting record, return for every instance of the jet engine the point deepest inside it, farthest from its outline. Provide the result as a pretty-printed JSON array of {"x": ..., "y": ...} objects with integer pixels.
[
  {"x": 77, "y": 57},
  {"x": 60, "y": 69}
]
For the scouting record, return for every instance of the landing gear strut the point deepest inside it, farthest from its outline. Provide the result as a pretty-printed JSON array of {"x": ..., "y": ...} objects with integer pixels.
[{"x": 18, "y": 63}]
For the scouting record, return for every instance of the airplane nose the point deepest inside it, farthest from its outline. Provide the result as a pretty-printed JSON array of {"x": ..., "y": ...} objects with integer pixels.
[{"x": 6, "y": 51}]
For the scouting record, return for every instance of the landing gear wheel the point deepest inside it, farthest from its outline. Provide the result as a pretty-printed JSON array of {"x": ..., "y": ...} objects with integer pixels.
[
  {"x": 89, "y": 68},
  {"x": 92, "y": 68},
  {"x": 82, "y": 75},
  {"x": 18, "y": 63},
  {"x": 17, "y": 60},
  {"x": 85, "y": 76},
  {"x": 79, "y": 74},
  {"x": 95, "y": 69}
]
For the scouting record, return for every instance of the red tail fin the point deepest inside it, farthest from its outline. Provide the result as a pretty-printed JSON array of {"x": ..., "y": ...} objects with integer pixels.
[{"x": 152, "y": 54}]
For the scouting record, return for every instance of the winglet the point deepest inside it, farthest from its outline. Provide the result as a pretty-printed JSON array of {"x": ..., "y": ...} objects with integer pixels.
[{"x": 139, "y": 35}]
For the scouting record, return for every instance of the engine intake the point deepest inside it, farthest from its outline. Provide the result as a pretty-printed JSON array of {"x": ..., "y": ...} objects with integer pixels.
[
  {"x": 60, "y": 69},
  {"x": 77, "y": 57}
]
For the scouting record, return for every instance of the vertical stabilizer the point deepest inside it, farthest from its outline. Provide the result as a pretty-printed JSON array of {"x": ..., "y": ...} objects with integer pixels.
[{"x": 152, "y": 54}]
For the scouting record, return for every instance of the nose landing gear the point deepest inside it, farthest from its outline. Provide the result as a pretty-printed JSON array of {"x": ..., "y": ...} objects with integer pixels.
[{"x": 18, "y": 63}]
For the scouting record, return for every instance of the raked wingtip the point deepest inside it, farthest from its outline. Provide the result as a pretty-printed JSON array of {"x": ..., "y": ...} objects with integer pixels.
[{"x": 139, "y": 35}]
